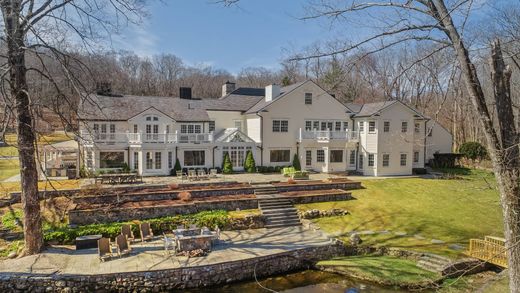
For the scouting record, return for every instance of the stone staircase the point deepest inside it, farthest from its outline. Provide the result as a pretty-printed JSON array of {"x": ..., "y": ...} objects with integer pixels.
[
  {"x": 432, "y": 262},
  {"x": 278, "y": 212}
]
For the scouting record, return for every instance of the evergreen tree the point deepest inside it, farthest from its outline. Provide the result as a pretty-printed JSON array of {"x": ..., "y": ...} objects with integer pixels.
[
  {"x": 296, "y": 163},
  {"x": 227, "y": 166},
  {"x": 250, "y": 164}
]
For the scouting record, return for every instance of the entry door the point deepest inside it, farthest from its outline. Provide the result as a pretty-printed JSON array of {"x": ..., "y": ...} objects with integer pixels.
[{"x": 237, "y": 155}]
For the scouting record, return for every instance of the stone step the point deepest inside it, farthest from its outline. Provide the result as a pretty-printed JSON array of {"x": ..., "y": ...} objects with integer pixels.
[
  {"x": 275, "y": 205},
  {"x": 435, "y": 261},
  {"x": 436, "y": 256},
  {"x": 429, "y": 266},
  {"x": 274, "y": 201},
  {"x": 282, "y": 217},
  {"x": 266, "y": 192},
  {"x": 278, "y": 211},
  {"x": 283, "y": 221}
]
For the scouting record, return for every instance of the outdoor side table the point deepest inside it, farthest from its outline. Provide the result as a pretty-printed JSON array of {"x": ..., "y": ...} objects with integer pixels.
[{"x": 87, "y": 241}]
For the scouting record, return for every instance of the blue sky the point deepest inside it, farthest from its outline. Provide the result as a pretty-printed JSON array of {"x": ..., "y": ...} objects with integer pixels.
[{"x": 203, "y": 32}]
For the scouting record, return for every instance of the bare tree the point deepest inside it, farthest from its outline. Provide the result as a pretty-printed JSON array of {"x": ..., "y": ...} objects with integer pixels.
[{"x": 42, "y": 30}]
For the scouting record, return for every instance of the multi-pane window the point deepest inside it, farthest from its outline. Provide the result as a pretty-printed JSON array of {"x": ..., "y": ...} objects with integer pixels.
[
  {"x": 386, "y": 126},
  {"x": 371, "y": 126},
  {"x": 404, "y": 126},
  {"x": 345, "y": 126},
  {"x": 197, "y": 128},
  {"x": 238, "y": 124},
  {"x": 308, "y": 98},
  {"x": 155, "y": 118},
  {"x": 403, "y": 159},
  {"x": 136, "y": 160},
  {"x": 371, "y": 160},
  {"x": 149, "y": 161},
  {"x": 336, "y": 156},
  {"x": 416, "y": 157},
  {"x": 184, "y": 128},
  {"x": 278, "y": 156},
  {"x": 211, "y": 126},
  {"x": 361, "y": 157},
  {"x": 337, "y": 126},
  {"x": 149, "y": 118},
  {"x": 280, "y": 125},
  {"x": 308, "y": 157},
  {"x": 308, "y": 125},
  {"x": 170, "y": 160},
  {"x": 136, "y": 128},
  {"x": 316, "y": 125},
  {"x": 352, "y": 159},
  {"x": 194, "y": 158},
  {"x": 362, "y": 126},
  {"x": 320, "y": 156},
  {"x": 103, "y": 131},
  {"x": 417, "y": 127},
  {"x": 386, "y": 160},
  {"x": 112, "y": 128},
  {"x": 158, "y": 160}
]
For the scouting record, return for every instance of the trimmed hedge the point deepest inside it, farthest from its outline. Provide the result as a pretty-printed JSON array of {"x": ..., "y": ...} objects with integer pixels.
[
  {"x": 473, "y": 150},
  {"x": 67, "y": 235}
]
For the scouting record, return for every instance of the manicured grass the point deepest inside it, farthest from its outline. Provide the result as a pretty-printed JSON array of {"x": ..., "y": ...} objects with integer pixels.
[
  {"x": 381, "y": 269},
  {"x": 9, "y": 168},
  {"x": 243, "y": 213},
  {"x": 450, "y": 210},
  {"x": 42, "y": 139}
]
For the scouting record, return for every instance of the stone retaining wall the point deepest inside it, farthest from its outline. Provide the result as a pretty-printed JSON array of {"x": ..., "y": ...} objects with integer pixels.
[
  {"x": 110, "y": 214},
  {"x": 318, "y": 186},
  {"x": 173, "y": 279}
]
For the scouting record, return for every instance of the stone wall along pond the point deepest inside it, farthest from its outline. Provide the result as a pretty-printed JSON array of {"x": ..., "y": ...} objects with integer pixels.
[{"x": 173, "y": 279}]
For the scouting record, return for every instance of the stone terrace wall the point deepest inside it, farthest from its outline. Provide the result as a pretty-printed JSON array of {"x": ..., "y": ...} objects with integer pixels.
[
  {"x": 167, "y": 280},
  {"x": 318, "y": 186},
  {"x": 85, "y": 217}
]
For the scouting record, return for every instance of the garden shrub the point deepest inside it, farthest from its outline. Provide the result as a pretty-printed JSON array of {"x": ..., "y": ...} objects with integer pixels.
[
  {"x": 227, "y": 166},
  {"x": 473, "y": 150},
  {"x": 296, "y": 163},
  {"x": 270, "y": 169},
  {"x": 185, "y": 196},
  {"x": 67, "y": 235},
  {"x": 249, "y": 164}
]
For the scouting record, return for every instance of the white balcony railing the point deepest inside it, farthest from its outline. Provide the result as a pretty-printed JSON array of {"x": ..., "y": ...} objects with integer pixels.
[
  {"x": 327, "y": 135},
  {"x": 139, "y": 138}
]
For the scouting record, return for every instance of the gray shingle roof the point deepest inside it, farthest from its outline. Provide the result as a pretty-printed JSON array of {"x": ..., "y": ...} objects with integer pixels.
[
  {"x": 99, "y": 107},
  {"x": 370, "y": 109}
]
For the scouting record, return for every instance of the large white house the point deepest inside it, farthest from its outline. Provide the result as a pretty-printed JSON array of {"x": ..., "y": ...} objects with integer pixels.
[{"x": 275, "y": 123}]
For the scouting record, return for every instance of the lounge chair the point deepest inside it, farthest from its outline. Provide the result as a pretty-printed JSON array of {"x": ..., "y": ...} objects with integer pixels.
[
  {"x": 104, "y": 249},
  {"x": 146, "y": 232},
  {"x": 181, "y": 176},
  {"x": 123, "y": 246},
  {"x": 126, "y": 230}
]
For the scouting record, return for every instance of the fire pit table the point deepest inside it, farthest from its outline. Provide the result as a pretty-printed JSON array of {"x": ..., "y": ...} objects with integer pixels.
[{"x": 87, "y": 241}]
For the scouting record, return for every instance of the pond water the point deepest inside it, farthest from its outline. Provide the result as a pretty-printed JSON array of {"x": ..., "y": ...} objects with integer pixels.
[{"x": 304, "y": 282}]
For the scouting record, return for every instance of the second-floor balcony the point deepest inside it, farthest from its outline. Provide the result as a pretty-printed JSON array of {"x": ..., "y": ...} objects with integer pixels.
[
  {"x": 328, "y": 135},
  {"x": 140, "y": 138}
]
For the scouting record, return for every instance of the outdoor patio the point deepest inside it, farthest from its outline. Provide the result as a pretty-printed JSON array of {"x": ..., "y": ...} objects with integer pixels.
[{"x": 149, "y": 256}]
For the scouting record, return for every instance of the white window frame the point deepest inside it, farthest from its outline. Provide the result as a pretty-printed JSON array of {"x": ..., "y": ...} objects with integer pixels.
[
  {"x": 404, "y": 126},
  {"x": 157, "y": 156},
  {"x": 278, "y": 125},
  {"x": 371, "y": 126},
  {"x": 386, "y": 160},
  {"x": 352, "y": 158},
  {"x": 417, "y": 127},
  {"x": 371, "y": 160},
  {"x": 308, "y": 98},
  {"x": 308, "y": 157},
  {"x": 361, "y": 126},
  {"x": 320, "y": 156},
  {"x": 416, "y": 156},
  {"x": 405, "y": 159},
  {"x": 386, "y": 126},
  {"x": 361, "y": 161}
]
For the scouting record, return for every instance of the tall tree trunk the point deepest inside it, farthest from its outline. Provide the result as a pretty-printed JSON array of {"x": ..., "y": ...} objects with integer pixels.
[
  {"x": 26, "y": 135},
  {"x": 503, "y": 148}
]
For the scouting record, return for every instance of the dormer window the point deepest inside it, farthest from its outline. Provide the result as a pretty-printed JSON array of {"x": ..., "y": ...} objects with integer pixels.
[{"x": 152, "y": 118}]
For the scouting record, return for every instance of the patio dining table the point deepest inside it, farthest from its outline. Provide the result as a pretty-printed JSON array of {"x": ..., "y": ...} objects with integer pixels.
[
  {"x": 187, "y": 232},
  {"x": 119, "y": 178},
  {"x": 189, "y": 243}
]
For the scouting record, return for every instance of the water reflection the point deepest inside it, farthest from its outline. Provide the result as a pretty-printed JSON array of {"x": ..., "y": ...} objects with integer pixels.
[{"x": 304, "y": 282}]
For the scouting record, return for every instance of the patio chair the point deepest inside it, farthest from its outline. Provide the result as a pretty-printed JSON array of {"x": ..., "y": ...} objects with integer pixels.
[
  {"x": 181, "y": 175},
  {"x": 123, "y": 246},
  {"x": 146, "y": 232},
  {"x": 126, "y": 230},
  {"x": 192, "y": 175},
  {"x": 169, "y": 244},
  {"x": 213, "y": 173},
  {"x": 201, "y": 174},
  {"x": 104, "y": 249}
]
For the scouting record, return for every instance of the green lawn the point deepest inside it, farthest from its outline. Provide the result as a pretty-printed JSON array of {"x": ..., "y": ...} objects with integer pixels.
[
  {"x": 9, "y": 168},
  {"x": 381, "y": 269},
  {"x": 452, "y": 210}
]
